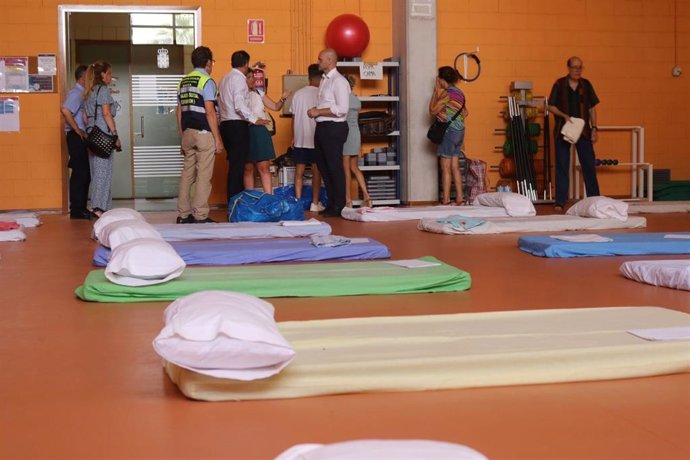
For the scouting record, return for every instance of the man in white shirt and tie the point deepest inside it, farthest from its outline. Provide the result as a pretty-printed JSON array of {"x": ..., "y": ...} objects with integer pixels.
[{"x": 331, "y": 130}]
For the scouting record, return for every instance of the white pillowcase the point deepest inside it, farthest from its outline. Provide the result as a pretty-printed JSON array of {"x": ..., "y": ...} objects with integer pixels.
[
  {"x": 113, "y": 216},
  {"x": 402, "y": 449},
  {"x": 601, "y": 207},
  {"x": 516, "y": 205},
  {"x": 116, "y": 233},
  {"x": 143, "y": 262},
  {"x": 223, "y": 334}
]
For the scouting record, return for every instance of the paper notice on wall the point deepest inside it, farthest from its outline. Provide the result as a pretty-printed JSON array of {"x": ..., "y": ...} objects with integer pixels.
[
  {"x": 371, "y": 71},
  {"x": 47, "y": 64},
  {"x": 14, "y": 74},
  {"x": 9, "y": 114}
]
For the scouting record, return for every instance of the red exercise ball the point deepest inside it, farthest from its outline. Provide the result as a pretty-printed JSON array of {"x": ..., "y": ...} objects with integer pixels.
[{"x": 348, "y": 35}]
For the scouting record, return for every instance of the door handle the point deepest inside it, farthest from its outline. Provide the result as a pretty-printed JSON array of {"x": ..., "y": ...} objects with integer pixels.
[{"x": 141, "y": 127}]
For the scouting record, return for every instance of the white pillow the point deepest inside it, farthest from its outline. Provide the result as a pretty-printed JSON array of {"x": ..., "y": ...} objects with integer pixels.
[
  {"x": 403, "y": 449},
  {"x": 600, "y": 207},
  {"x": 223, "y": 334},
  {"x": 122, "y": 231},
  {"x": 516, "y": 205},
  {"x": 143, "y": 262},
  {"x": 112, "y": 216}
]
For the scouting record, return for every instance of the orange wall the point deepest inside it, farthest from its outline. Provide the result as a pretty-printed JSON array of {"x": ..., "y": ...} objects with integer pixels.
[
  {"x": 31, "y": 162},
  {"x": 627, "y": 47},
  {"x": 628, "y": 51}
]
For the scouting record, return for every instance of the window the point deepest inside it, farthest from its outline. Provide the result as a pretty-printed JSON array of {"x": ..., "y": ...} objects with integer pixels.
[{"x": 162, "y": 28}]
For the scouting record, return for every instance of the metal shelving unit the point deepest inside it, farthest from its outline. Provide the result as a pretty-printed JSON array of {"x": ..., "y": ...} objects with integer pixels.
[{"x": 382, "y": 179}]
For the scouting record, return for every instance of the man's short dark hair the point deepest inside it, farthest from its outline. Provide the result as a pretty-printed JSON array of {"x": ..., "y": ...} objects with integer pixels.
[
  {"x": 239, "y": 59},
  {"x": 79, "y": 72},
  {"x": 200, "y": 56},
  {"x": 314, "y": 71},
  {"x": 448, "y": 74}
]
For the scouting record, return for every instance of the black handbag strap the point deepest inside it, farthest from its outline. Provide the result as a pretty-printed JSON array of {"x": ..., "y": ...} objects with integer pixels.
[
  {"x": 457, "y": 113},
  {"x": 95, "y": 113}
]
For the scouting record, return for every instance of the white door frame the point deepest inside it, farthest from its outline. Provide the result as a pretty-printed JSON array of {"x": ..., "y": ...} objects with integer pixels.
[{"x": 64, "y": 10}]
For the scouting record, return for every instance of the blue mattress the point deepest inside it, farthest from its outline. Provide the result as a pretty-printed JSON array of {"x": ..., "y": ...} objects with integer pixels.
[
  {"x": 255, "y": 251},
  {"x": 623, "y": 244}
]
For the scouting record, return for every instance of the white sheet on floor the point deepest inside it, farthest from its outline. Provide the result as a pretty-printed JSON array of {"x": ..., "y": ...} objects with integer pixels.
[
  {"x": 12, "y": 235},
  {"x": 667, "y": 273},
  {"x": 416, "y": 213},
  {"x": 658, "y": 207},
  {"x": 26, "y": 219},
  {"x": 239, "y": 230},
  {"x": 466, "y": 350},
  {"x": 551, "y": 223}
]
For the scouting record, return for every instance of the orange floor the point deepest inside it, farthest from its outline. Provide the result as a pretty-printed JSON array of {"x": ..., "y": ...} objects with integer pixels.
[{"x": 81, "y": 380}]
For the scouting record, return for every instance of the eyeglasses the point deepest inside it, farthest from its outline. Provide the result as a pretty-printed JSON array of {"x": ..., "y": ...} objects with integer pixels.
[{"x": 576, "y": 67}]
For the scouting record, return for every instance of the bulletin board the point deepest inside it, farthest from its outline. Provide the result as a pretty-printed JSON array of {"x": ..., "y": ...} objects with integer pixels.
[{"x": 28, "y": 74}]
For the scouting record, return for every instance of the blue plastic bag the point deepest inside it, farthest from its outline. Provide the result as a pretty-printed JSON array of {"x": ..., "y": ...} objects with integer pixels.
[
  {"x": 255, "y": 206},
  {"x": 288, "y": 191}
]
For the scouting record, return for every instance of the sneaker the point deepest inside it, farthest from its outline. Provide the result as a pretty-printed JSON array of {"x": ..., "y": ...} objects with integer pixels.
[
  {"x": 185, "y": 220},
  {"x": 317, "y": 207},
  {"x": 208, "y": 220}
]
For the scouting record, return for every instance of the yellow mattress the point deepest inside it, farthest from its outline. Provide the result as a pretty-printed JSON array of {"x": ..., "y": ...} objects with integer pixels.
[{"x": 415, "y": 353}]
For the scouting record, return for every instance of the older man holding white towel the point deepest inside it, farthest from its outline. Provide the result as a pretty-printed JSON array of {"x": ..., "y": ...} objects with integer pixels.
[{"x": 574, "y": 96}]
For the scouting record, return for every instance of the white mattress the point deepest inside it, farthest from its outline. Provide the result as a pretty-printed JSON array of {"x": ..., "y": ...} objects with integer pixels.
[
  {"x": 23, "y": 218},
  {"x": 551, "y": 223},
  {"x": 434, "y": 352},
  {"x": 240, "y": 230},
  {"x": 387, "y": 214},
  {"x": 667, "y": 273},
  {"x": 646, "y": 207},
  {"x": 12, "y": 235}
]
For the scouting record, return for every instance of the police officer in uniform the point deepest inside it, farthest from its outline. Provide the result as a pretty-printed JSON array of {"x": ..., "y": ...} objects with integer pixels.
[{"x": 198, "y": 127}]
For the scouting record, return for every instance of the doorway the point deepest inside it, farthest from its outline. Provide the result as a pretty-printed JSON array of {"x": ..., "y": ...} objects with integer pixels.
[{"x": 149, "y": 49}]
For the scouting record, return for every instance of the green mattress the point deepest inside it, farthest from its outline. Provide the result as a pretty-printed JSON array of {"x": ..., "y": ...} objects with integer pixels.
[{"x": 287, "y": 280}]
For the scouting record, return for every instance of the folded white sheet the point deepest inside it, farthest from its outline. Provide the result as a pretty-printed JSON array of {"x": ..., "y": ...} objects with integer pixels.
[
  {"x": 572, "y": 129},
  {"x": 300, "y": 223},
  {"x": 584, "y": 238},
  {"x": 26, "y": 219},
  {"x": 13, "y": 235}
]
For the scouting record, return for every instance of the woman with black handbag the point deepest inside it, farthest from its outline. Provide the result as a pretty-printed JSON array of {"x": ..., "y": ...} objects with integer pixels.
[
  {"x": 100, "y": 111},
  {"x": 447, "y": 104}
]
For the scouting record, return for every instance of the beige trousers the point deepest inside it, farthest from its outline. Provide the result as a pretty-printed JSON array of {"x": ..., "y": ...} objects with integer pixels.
[{"x": 198, "y": 148}]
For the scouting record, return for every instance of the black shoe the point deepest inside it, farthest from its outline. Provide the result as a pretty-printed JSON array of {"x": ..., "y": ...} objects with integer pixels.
[
  {"x": 208, "y": 220},
  {"x": 84, "y": 215},
  {"x": 186, "y": 220}
]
